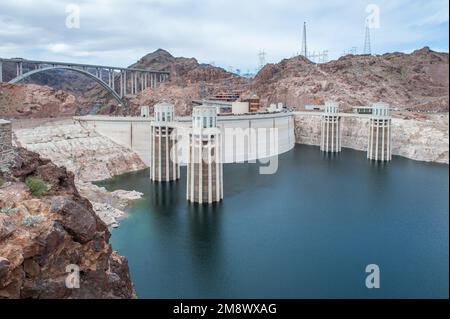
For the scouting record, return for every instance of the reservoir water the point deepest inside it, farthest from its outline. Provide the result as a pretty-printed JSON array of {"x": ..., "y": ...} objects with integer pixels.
[{"x": 308, "y": 231}]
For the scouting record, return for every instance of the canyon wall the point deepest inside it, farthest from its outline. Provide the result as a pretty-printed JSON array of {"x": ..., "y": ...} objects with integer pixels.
[
  {"x": 44, "y": 236},
  {"x": 409, "y": 82},
  {"x": 89, "y": 155},
  {"x": 422, "y": 139}
]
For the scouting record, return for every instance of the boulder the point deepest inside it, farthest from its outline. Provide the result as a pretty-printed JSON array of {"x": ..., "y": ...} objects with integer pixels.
[
  {"x": 7, "y": 226},
  {"x": 78, "y": 221}
]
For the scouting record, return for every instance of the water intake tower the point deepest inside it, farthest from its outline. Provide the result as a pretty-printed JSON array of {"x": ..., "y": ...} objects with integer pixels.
[{"x": 204, "y": 165}]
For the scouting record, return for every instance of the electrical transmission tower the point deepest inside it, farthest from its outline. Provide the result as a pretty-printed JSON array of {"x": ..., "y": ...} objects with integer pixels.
[
  {"x": 367, "y": 45},
  {"x": 304, "y": 50},
  {"x": 262, "y": 59},
  {"x": 319, "y": 57}
]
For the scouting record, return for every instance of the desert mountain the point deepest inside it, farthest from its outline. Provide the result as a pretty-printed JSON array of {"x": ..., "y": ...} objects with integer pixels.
[
  {"x": 183, "y": 70},
  {"x": 415, "y": 82}
]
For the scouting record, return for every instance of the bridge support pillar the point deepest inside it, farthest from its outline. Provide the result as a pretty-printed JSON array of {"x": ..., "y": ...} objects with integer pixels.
[
  {"x": 19, "y": 68},
  {"x": 1, "y": 71},
  {"x": 121, "y": 84},
  {"x": 132, "y": 83},
  {"x": 136, "y": 83},
  {"x": 111, "y": 73},
  {"x": 124, "y": 83}
]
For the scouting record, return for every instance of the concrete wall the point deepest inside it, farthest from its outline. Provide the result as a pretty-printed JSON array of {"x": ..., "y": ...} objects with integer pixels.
[
  {"x": 134, "y": 133},
  {"x": 422, "y": 140}
]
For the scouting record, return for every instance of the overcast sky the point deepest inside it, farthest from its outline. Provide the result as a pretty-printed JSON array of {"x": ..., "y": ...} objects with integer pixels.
[{"x": 226, "y": 32}]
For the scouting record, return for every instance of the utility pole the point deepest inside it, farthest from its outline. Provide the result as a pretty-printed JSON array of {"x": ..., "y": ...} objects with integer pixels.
[{"x": 262, "y": 59}]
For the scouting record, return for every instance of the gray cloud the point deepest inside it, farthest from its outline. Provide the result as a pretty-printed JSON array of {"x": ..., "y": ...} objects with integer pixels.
[{"x": 228, "y": 32}]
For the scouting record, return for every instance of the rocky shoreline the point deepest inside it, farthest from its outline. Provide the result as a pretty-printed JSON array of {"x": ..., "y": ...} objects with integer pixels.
[
  {"x": 53, "y": 235},
  {"x": 420, "y": 137},
  {"x": 89, "y": 155}
]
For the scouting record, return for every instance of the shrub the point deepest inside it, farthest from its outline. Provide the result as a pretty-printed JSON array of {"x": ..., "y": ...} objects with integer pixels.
[
  {"x": 37, "y": 186},
  {"x": 32, "y": 220},
  {"x": 9, "y": 211},
  {"x": 2, "y": 182}
]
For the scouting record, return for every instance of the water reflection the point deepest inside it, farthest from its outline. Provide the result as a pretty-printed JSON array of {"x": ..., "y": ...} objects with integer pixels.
[
  {"x": 164, "y": 194},
  {"x": 274, "y": 236},
  {"x": 206, "y": 246},
  {"x": 331, "y": 155}
]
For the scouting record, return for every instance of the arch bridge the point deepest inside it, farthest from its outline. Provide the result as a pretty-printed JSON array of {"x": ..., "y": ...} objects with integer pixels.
[{"x": 117, "y": 80}]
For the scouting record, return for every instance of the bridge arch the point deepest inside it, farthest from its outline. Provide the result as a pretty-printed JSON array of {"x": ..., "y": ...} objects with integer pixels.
[{"x": 93, "y": 77}]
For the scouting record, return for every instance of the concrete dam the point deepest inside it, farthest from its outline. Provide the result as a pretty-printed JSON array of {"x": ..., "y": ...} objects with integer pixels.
[{"x": 244, "y": 137}]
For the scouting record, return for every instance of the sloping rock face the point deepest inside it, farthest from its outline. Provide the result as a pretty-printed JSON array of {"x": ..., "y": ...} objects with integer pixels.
[
  {"x": 89, "y": 155},
  {"x": 42, "y": 238},
  {"x": 84, "y": 94},
  {"x": 186, "y": 77},
  {"x": 182, "y": 70},
  {"x": 423, "y": 138},
  {"x": 30, "y": 100},
  {"x": 412, "y": 82},
  {"x": 24, "y": 100}
]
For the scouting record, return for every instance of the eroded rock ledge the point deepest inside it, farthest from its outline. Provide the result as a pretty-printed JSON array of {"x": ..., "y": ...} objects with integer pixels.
[
  {"x": 90, "y": 156},
  {"x": 41, "y": 236}
]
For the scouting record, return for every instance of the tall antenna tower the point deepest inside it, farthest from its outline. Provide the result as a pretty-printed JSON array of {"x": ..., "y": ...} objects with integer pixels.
[
  {"x": 367, "y": 45},
  {"x": 262, "y": 59},
  {"x": 304, "y": 50}
]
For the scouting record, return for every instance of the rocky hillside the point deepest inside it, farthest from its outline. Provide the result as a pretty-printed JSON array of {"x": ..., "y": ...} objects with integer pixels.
[
  {"x": 90, "y": 156},
  {"x": 187, "y": 77},
  {"x": 41, "y": 101},
  {"x": 30, "y": 100},
  {"x": 85, "y": 94},
  {"x": 184, "y": 71},
  {"x": 416, "y": 82},
  {"x": 413, "y": 82},
  {"x": 41, "y": 234},
  {"x": 421, "y": 137}
]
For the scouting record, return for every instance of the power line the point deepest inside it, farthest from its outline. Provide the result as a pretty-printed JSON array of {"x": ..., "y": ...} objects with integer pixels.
[{"x": 262, "y": 59}]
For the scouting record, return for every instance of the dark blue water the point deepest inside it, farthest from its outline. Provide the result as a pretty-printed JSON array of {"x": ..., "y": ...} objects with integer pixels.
[{"x": 306, "y": 232}]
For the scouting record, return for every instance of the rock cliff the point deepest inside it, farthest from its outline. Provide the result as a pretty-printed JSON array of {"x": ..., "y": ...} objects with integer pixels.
[
  {"x": 90, "y": 156},
  {"x": 412, "y": 82},
  {"x": 30, "y": 100},
  {"x": 42, "y": 237},
  {"x": 423, "y": 138}
]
